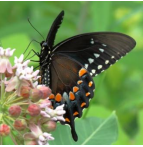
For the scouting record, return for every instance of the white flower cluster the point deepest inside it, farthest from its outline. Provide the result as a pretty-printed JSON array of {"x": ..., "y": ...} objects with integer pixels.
[
  {"x": 25, "y": 72},
  {"x": 4, "y": 60},
  {"x": 26, "y": 104},
  {"x": 54, "y": 115}
]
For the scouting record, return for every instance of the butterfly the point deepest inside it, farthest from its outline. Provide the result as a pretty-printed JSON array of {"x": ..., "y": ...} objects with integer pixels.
[{"x": 68, "y": 68}]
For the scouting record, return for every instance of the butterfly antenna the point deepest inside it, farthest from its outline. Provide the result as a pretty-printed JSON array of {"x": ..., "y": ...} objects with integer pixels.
[
  {"x": 35, "y": 29},
  {"x": 30, "y": 44}
]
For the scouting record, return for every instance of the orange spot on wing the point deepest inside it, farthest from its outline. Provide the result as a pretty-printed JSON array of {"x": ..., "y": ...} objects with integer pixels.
[
  {"x": 90, "y": 83},
  {"x": 79, "y": 82},
  {"x": 75, "y": 113},
  {"x": 82, "y": 72},
  {"x": 67, "y": 120},
  {"x": 88, "y": 93},
  {"x": 75, "y": 89},
  {"x": 52, "y": 96},
  {"x": 83, "y": 104},
  {"x": 71, "y": 96},
  {"x": 58, "y": 97}
]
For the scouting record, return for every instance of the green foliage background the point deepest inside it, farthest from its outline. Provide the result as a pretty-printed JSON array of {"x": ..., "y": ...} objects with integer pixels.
[{"x": 120, "y": 88}]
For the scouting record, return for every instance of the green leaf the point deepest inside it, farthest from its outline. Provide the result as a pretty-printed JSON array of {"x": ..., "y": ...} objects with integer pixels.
[
  {"x": 139, "y": 136},
  {"x": 91, "y": 131},
  {"x": 7, "y": 141},
  {"x": 123, "y": 138}
]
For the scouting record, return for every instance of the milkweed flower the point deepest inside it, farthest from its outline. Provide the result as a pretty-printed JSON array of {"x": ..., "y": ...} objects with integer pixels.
[
  {"x": 37, "y": 135},
  {"x": 6, "y": 67},
  {"x": 26, "y": 113}
]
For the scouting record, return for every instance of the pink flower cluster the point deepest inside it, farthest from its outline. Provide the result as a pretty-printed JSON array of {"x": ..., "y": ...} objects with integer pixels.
[{"x": 26, "y": 113}]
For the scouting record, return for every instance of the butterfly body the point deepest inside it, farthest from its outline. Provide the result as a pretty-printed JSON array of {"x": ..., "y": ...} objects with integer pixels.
[{"x": 68, "y": 68}]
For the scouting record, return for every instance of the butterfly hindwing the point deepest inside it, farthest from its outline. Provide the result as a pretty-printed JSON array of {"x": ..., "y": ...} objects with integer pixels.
[{"x": 71, "y": 85}]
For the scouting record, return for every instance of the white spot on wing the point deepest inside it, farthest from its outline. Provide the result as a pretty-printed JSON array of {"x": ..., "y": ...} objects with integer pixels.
[
  {"x": 104, "y": 44},
  {"x": 99, "y": 66},
  {"x": 86, "y": 66},
  {"x": 102, "y": 50},
  {"x": 112, "y": 57},
  {"x": 65, "y": 95},
  {"x": 96, "y": 55},
  {"x": 92, "y": 42},
  {"x": 91, "y": 60},
  {"x": 91, "y": 74},
  {"x": 107, "y": 61},
  {"x": 93, "y": 71}
]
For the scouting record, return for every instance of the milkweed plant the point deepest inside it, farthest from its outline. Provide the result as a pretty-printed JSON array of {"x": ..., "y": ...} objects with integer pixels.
[{"x": 26, "y": 113}]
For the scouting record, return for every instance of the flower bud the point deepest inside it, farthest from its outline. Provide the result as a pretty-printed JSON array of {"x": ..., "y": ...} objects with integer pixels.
[
  {"x": 15, "y": 110},
  {"x": 20, "y": 124},
  {"x": 46, "y": 91},
  {"x": 25, "y": 91},
  {"x": 49, "y": 126},
  {"x": 4, "y": 130},
  {"x": 36, "y": 95},
  {"x": 34, "y": 109}
]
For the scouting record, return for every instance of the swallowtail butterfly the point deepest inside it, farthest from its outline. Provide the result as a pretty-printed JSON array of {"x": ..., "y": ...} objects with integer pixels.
[{"x": 68, "y": 68}]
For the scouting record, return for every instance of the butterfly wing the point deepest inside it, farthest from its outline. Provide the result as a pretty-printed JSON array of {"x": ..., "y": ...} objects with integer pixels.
[
  {"x": 54, "y": 28},
  {"x": 96, "y": 51},
  {"x": 72, "y": 64},
  {"x": 71, "y": 85}
]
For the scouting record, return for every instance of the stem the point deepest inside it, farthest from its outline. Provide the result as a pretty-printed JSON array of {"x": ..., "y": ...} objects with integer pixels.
[
  {"x": 2, "y": 88},
  {"x": 10, "y": 97},
  {"x": 13, "y": 139},
  {"x": 22, "y": 104},
  {"x": 0, "y": 140},
  {"x": 1, "y": 115},
  {"x": 16, "y": 100}
]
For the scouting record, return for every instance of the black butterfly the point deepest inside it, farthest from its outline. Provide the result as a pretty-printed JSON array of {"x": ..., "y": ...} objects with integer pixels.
[{"x": 68, "y": 67}]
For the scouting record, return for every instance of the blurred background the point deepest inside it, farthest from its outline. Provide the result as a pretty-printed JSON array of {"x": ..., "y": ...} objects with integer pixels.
[{"x": 120, "y": 88}]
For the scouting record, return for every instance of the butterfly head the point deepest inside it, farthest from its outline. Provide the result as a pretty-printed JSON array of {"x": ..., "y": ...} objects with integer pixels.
[
  {"x": 45, "y": 54},
  {"x": 44, "y": 45}
]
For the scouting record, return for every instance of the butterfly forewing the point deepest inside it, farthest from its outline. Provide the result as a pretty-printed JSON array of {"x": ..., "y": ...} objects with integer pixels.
[
  {"x": 53, "y": 30},
  {"x": 96, "y": 51}
]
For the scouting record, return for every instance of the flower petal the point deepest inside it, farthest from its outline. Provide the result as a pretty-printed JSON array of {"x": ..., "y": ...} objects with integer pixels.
[
  {"x": 9, "y": 68},
  {"x": 3, "y": 65},
  {"x": 21, "y": 58},
  {"x": 1, "y": 51},
  {"x": 12, "y": 51},
  {"x": 36, "y": 131},
  {"x": 12, "y": 84},
  {"x": 42, "y": 138}
]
